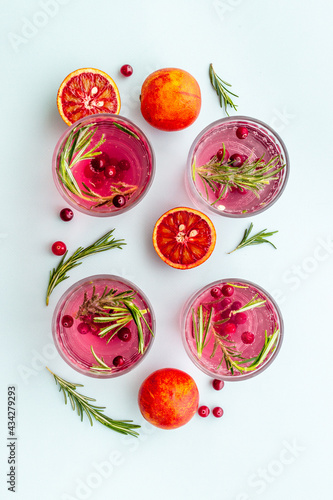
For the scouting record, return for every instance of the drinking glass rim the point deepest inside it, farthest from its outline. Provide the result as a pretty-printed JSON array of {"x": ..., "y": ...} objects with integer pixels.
[
  {"x": 100, "y": 117},
  {"x": 75, "y": 286},
  {"x": 186, "y": 309},
  {"x": 221, "y": 121}
]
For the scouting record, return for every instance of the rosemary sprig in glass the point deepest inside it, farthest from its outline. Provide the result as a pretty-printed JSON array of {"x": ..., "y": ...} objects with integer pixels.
[
  {"x": 59, "y": 274},
  {"x": 256, "y": 239},
  {"x": 201, "y": 326},
  {"x": 252, "y": 304},
  {"x": 101, "y": 365},
  {"x": 75, "y": 150},
  {"x": 119, "y": 188},
  {"x": 222, "y": 91},
  {"x": 204, "y": 328},
  {"x": 126, "y": 130},
  {"x": 251, "y": 175},
  {"x": 230, "y": 353},
  {"x": 117, "y": 308},
  {"x": 83, "y": 404}
]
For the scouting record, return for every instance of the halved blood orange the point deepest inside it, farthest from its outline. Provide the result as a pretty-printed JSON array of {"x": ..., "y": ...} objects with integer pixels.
[
  {"x": 184, "y": 238},
  {"x": 87, "y": 91}
]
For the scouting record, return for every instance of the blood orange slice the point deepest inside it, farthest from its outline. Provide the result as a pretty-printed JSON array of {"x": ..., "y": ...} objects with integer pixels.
[
  {"x": 87, "y": 91},
  {"x": 184, "y": 238}
]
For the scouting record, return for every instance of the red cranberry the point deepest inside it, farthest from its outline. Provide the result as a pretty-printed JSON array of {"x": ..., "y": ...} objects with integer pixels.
[
  {"x": 124, "y": 165},
  {"x": 118, "y": 361},
  {"x": 126, "y": 70},
  {"x": 242, "y": 132},
  {"x": 247, "y": 337},
  {"x": 124, "y": 334},
  {"x": 227, "y": 290},
  {"x": 235, "y": 305},
  {"x": 225, "y": 314},
  {"x": 96, "y": 181},
  {"x": 119, "y": 200},
  {"x": 67, "y": 321},
  {"x": 83, "y": 328},
  {"x": 216, "y": 292},
  {"x": 225, "y": 303},
  {"x": 219, "y": 155},
  {"x": 228, "y": 329},
  {"x": 218, "y": 412},
  {"x": 218, "y": 384},
  {"x": 59, "y": 248},
  {"x": 203, "y": 411},
  {"x": 236, "y": 160},
  {"x": 240, "y": 318},
  {"x": 99, "y": 162},
  {"x": 66, "y": 214},
  {"x": 88, "y": 171},
  {"x": 110, "y": 171}
]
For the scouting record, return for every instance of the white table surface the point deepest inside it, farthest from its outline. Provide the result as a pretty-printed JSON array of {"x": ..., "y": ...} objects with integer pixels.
[{"x": 275, "y": 438}]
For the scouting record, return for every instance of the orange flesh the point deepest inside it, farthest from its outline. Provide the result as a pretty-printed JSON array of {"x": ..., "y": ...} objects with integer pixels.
[
  {"x": 87, "y": 93},
  {"x": 184, "y": 239}
]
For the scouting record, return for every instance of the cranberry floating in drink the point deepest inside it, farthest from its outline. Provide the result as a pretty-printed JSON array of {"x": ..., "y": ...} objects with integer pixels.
[
  {"x": 103, "y": 326},
  {"x": 103, "y": 165},
  {"x": 237, "y": 167},
  {"x": 232, "y": 338}
]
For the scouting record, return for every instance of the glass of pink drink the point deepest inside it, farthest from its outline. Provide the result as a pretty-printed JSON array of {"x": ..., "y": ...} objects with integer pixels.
[
  {"x": 237, "y": 167},
  {"x": 103, "y": 326},
  {"x": 103, "y": 165},
  {"x": 232, "y": 329}
]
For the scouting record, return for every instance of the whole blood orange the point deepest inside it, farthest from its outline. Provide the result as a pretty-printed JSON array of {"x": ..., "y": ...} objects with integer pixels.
[
  {"x": 168, "y": 398},
  {"x": 170, "y": 99},
  {"x": 87, "y": 91},
  {"x": 184, "y": 237}
]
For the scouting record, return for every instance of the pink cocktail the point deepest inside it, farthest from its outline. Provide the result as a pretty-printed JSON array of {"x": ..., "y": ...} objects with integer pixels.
[
  {"x": 103, "y": 165},
  {"x": 103, "y": 326},
  {"x": 237, "y": 167},
  {"x": 231, "y": 329}
]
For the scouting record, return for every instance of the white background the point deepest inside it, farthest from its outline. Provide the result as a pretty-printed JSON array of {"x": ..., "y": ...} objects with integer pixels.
[{"x": 275, "y": 438}]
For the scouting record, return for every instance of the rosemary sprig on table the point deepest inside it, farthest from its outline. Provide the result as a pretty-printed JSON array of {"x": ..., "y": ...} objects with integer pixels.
[
  {"x": 59, "y": 274},
  {"x": 256, "y": 239},
  {"x": 117, "y": 308},
  {"x": 74, "y": 150},
  {"x": 83, "y": 404},
  {"x": 220, "y": 87},
  {"x": 251, "y": 175}
]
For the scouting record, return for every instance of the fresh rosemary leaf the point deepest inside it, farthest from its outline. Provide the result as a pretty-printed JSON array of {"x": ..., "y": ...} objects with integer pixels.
[
  {"x": 101, "y": 365},
  {"x": 222, "y": 91},
  {"x": 251, "y": 175},
  {"x": 83, "y": 404},
  {"x": 59, "y": 274},
  {"x": 256, "y": 239},
  {"x": 126, "y": 130},
  {"x": 201, "y": 322},
  {"x": 74, "y": 150}
]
